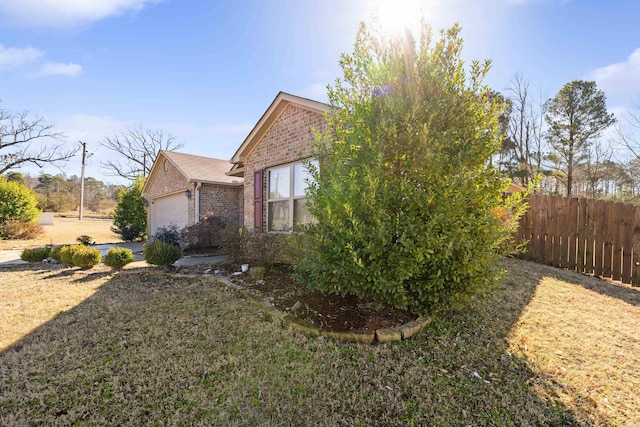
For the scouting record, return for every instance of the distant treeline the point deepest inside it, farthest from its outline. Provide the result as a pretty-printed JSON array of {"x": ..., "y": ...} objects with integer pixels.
[{"x": 59, "y": 193}]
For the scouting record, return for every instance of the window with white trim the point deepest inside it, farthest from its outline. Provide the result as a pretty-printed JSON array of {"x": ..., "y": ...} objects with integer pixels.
[{"x": 286, "y": 199}]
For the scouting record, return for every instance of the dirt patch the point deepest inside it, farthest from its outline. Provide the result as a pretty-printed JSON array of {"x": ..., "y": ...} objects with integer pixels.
[{"x": 329, "y": 312}]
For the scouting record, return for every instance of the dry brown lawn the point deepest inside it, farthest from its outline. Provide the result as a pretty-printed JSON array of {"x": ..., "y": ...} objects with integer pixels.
[
  {"x": 547, "y": 347},
  {"x": 66, "y": 231}
]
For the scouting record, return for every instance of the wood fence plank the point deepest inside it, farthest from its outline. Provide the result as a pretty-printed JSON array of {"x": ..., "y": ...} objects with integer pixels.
[
  {"x": 549, "y": 229},
  {"x": 572, "y": 232},
  {"x": 537, "y": 230},
  {"x": 617, "y": 240},
  {"x": 627, "y": 241},
  {"x": 589, "y": 235},
  {"x": 562, "y": 233},
  {"x": 534, "y": 211},
  {"x": 581, "y": 226},
  {"x": 635, "y": 264},
  {"x": 607, "y": 269},
  {"x": 600, "y": 237}
]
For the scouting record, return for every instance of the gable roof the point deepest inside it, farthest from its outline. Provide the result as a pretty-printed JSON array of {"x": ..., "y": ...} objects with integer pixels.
[
  {"x": 195, "y": 168},
  {"x": 278, "y": 105}
]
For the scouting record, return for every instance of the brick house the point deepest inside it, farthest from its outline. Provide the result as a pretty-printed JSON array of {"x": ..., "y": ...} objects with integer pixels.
[
  {"x": 270, "y": 161},
  {"x": 182, "y": 188}
]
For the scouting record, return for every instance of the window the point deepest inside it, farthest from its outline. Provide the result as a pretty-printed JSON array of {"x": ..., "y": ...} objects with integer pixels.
[{"x": 286, "y": 196}]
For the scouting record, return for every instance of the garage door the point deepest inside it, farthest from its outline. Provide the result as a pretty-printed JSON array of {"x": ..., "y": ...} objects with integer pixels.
[{"x": 169, "y": 210}]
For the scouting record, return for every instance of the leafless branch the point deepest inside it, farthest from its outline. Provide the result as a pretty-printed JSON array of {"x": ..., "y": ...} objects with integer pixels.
[{"x": 138, "y": 148}]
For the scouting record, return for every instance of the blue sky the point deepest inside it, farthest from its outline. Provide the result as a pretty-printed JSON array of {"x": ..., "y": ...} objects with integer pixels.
[{"x": 206, "y": 70}]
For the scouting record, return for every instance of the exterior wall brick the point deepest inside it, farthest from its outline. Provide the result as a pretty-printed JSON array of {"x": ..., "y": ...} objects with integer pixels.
[
  {"x": 222, "y": 201},
  {"x": 289, "y": 139}
]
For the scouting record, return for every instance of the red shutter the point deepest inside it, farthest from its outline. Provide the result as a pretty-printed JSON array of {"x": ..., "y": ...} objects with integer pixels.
[{"x": 257, "y": 200}]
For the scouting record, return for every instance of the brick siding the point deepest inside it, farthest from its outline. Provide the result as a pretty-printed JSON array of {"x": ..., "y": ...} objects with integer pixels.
[
  {"x": 290, "y": 138},
  {"x": 223, "y": 201}
]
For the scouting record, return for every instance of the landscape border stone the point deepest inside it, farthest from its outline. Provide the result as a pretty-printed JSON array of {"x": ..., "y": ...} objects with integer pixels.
[{"x": 365, "y": 336}]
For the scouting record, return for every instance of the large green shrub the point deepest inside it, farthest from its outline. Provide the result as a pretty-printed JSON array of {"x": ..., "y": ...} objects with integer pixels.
[
  {"x": 406, "y": 199},
  {"x": 17, "y": 207},
  {"x": 118, "y": 257},
  {"x": 160, "y": 252},
  {"x": 130, "y": 214},
  {"x": 169, "y": 234},
  {"x": 86, "y": 257},
  {"x": 35, "y": 254}
]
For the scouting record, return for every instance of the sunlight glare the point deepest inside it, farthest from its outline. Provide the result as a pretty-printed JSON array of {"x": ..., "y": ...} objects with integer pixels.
[{"x": 397, "y": 16}]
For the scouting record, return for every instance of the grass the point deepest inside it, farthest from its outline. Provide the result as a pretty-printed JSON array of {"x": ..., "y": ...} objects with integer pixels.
[
  {"x": 65, "y": 231},
  {"x": 148, "y": 348}
]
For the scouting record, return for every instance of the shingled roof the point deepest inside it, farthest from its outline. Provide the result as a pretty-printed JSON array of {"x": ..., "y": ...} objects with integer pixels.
[{"x": 203, "y": 169}]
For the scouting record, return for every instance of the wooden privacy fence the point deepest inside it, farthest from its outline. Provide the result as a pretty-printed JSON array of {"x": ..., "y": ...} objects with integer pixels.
[{"x": 590, "y": 236}]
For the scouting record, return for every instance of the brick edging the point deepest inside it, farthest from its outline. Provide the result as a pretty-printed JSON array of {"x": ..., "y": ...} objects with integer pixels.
[{"x": 367, "y": 336}]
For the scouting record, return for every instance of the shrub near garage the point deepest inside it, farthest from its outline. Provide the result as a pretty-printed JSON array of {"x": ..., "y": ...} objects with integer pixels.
[
  {"x": 85, "y": 257},
  {"x": 66, "y": 253},
  {"x": 160, "y": 252},
  {"x": 35, "y": 254},
  {"x": 118, "y": 257}
]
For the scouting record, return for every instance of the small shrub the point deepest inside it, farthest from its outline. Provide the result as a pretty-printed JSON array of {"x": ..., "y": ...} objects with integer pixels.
[
  {"x": 86, "y": 257},
  {"x": 19, "y": 230},
  {"x": 84, "y": 240},
  {"x": 235, "y": 243},
  {"x": 67, "y": 252},
  {"x": 169, "y": 234},
  {"x": 35, "y": 254},
  {"x": 207, "y": 233},
  {"x": 160, "y": 252},
  {"x": 55, "y": 253},
  {"x": 118, "y": 257},
  {"x": 265, "y": 249}
]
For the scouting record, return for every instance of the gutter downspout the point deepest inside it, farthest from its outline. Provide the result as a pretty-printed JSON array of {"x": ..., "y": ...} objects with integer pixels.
[{"x": 197, "y": 207}]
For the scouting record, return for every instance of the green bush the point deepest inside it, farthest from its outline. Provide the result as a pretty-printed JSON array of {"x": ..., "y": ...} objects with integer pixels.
[
  {"x": 118, "y": 257},
  {"x": 130, "y": 214},
  {"x": 169, "y": 234},
  {"x": 405, "y": 197},
  {"x": 55, "y": 253},
  {"x": 17, "y": 202},
  {"x": 86, "y": 257},
  {"x": 35, "y": 254},
  {"x": 160, "y": 252},
  {"x": 67, "y": 252},
  {"x": 14, "y": 229}
]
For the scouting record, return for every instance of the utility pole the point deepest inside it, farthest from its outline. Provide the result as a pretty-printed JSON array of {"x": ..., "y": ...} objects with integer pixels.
[
  {"x": 84, "y": 155},
  {"x": 144, "y": 165}
]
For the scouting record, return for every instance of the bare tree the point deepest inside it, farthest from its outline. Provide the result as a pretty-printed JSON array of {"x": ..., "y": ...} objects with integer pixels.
[
  {"x": 138, "y": 147},
  {"x": 523, "y": 141},
  {"x": 629, "y": 136},
  {"x": 30, "y": 140}
]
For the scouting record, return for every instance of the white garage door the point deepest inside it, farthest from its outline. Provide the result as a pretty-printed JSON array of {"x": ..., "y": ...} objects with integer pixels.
[{"x": 169, "y": 210}]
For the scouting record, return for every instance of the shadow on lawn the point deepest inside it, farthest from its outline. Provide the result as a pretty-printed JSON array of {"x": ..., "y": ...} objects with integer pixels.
[{"x": 151, "y": 348}]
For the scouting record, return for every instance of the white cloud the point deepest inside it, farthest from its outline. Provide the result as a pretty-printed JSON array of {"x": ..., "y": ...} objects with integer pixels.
[
  {"x": 15, "y": 56},
  {"x": 59, "y": 69},
  {"x": 66, "y": 13},
  {"x": 620, "y": 81}
]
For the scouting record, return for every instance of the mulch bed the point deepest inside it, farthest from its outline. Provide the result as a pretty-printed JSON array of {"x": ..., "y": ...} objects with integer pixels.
[{"x": 327, "y": 311}]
